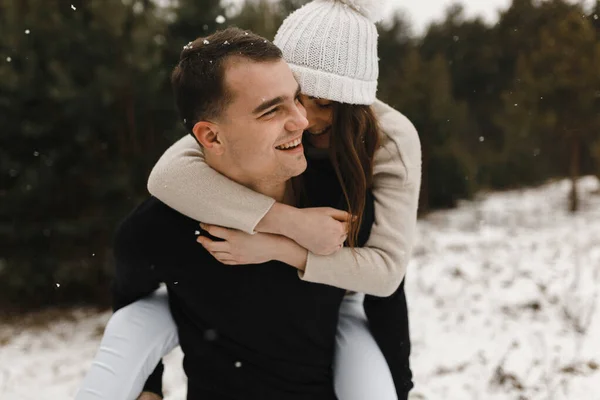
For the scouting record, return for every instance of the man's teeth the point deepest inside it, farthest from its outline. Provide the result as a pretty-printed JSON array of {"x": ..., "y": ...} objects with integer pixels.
[{"x": 290, "y": 145}]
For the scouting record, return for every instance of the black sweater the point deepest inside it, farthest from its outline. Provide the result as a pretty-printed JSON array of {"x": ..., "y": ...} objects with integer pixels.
[{"x": 247, "y": 332}]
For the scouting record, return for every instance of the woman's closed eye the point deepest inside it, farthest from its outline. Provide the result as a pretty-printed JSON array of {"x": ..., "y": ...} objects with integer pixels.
[{"x": 321, "y": 103}]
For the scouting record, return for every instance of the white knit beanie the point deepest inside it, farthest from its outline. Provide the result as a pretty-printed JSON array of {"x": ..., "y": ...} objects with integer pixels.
[{"x": 331, "y": 47}]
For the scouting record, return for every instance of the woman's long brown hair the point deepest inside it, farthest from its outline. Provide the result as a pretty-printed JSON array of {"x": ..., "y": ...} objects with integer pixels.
[{"x": 354, "y": 139}]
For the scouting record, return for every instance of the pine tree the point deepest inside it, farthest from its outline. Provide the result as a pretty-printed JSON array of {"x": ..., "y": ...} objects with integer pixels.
[
  {"x": 75, "y": 80},
  {"x": 557, "y": 85}
]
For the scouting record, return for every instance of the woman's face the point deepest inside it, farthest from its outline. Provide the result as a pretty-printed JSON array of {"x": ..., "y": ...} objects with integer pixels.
[{"x": 319, "y": 113}]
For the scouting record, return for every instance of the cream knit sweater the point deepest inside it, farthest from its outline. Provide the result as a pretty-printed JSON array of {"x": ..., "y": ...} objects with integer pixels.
[{"x": 183, "y": 181}]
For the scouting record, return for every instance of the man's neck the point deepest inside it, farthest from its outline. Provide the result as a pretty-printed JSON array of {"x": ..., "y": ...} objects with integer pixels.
[{"x": 281, "y": 192}]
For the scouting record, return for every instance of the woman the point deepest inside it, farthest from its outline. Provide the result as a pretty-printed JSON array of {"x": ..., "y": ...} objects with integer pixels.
[{"x": 331, "y": 49}]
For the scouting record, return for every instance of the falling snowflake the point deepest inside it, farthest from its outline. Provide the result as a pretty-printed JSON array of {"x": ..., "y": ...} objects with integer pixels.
[
  {"x": 73, "y": 7},
  {"x": 57, "y": 285},
  {"x": 206, "y": 41},
  {"x": 238, "y": 364},
  {"x": 220, "y": 19},
  {"x": 27, "y": 31},
  {"x": 226, "y": 42},
  {"x": 8, "y": 59},
  {"x": 481, "y": 138},
  {"x": 516, "y": 104},
  {"x": 197, "y": 233},
  {"x": 36, "y": 153}
]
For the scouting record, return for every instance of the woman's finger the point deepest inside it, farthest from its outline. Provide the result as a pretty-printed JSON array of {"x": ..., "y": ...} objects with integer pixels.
[
  {"x": 216, "y": 231},
  {"x": 338, "y": 215},
  {"x": 225, "y": 258},
  {"x": 230, "y": 262},
  {"x": 213, "y": 245},
  {"x": 222, "y": 256}
]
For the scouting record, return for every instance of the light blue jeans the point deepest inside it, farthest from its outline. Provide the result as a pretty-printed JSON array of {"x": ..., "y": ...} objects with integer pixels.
[{"x": 139, "y": 335}]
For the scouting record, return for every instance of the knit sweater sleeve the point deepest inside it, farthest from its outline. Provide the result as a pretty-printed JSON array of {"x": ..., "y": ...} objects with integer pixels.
[
  {"x": 379, "y": 267},
  {"x": 182, "y": 180}
]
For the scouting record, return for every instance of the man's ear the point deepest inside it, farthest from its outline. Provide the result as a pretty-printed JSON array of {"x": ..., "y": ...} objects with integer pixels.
[{"x": 207, "y": 135}]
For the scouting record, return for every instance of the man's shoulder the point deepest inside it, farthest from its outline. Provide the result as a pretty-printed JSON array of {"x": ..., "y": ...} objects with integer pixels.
[
  {"x": 153, "y": 227},
  {"x": 152, "y": 208},
  {"x": 152, "y": 216}
]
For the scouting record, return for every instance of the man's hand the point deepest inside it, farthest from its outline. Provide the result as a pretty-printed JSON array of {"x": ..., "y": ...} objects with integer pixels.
[
  {"x": 149, "y": 396},
  {"x": 240, "y": 248},
  {"x": 321, "y": 230}
]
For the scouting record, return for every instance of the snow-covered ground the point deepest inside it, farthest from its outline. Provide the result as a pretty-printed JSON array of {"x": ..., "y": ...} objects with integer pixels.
[{"x": 503, "y": 296}]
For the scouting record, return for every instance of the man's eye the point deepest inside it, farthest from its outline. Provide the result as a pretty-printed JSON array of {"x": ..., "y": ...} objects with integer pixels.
[
  {"x": 298, "y": 99},
  {"x": 270, "y": 112},
  {"x": 324, "y": 105}
]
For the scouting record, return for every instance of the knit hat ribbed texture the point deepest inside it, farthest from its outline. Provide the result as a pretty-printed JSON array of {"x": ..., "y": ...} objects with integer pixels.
[{"x": 331, "y": 47}]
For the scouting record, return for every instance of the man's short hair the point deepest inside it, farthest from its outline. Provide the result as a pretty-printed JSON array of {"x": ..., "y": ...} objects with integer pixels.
[{"x": 198, "y": 80}]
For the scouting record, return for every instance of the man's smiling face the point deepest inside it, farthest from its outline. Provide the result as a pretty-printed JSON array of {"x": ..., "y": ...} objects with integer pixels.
[{"x": 263, "y": 124}]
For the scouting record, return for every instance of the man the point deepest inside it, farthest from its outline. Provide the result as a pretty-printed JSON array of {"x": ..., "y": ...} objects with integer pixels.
[{"x": 251, "y": 332}]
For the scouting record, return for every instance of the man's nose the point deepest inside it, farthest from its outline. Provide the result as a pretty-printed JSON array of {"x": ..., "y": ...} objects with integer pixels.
[{"x": 298, "y": 119}]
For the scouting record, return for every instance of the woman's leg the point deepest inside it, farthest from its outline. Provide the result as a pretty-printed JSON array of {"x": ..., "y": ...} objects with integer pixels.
[
  {"x": 134, "y": 341},
  {"x": 359, "y": 368}
]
